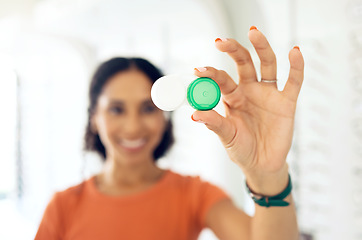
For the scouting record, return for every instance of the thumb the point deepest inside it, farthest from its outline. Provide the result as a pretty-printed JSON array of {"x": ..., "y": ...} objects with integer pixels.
[{"x": 220, "y": 125}]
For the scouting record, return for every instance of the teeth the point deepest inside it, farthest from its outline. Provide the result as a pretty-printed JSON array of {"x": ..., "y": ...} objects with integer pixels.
[{"x": 132, "y": 143}]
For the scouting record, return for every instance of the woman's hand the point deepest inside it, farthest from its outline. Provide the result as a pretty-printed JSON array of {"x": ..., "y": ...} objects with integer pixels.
[{"x": 258, "y": 128}]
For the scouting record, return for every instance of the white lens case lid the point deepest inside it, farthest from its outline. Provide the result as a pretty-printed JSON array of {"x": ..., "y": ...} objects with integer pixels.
[{"x": 169, "y": 92}]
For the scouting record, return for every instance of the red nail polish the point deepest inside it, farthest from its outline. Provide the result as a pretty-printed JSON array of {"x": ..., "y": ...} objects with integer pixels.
[
  {"x": 253, "y": 27},
  {"x": 296, "y": 47},
  {"x": 198, "y": 121},
  {"x": 221, "y": 39}
]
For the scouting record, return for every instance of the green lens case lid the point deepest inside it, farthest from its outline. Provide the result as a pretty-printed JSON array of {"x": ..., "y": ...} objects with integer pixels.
[{"x": 203, "y": 94}]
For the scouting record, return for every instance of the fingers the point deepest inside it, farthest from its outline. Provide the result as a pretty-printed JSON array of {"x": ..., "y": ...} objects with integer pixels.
[
  {"x": 225, "y": 82},
  {"x": 295, "y": 79},
  {"x": 241, "y": 56},
  {"x": 216, "y": 123},
  {"x": 268, "y": 62}
]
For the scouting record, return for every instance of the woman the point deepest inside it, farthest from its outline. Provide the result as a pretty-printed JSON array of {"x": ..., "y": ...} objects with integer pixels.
[{"x": 133, "y": 199}]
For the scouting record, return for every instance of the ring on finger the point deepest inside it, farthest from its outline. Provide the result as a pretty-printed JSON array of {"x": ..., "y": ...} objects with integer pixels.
[{"x": 269, "y": 81}]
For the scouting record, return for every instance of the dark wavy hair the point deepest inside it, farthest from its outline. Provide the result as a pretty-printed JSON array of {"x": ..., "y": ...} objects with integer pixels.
[{"x": 104, "y": 72}]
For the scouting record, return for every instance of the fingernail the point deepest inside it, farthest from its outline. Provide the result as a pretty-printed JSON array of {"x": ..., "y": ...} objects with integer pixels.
[
  {"x": 193, "y": 119},
  {"x": 221, "y": 39},
  {"x": 253, "y": 27},
  {"x": 296, "y": 47},
  {"x": 201, "y": 69}
]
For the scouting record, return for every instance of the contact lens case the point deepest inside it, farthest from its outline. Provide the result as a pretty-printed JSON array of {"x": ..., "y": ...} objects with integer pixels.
[{"x": 169, "y": 92}]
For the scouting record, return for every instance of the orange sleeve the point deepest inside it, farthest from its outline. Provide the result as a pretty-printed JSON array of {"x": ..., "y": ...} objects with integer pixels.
[
  {"x": 205, "y": 196},
  {"x": 50, "y": 226}
]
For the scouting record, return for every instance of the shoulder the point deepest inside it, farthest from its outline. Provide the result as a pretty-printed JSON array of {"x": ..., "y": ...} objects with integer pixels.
[
  {"x": 201, "y": 195},
  {"x": 58, "y": 211},
  {"x": 184, "y": 180},
  {"x": 75, "y": 190},
  {"x": 195, "y": 184},
  {"x": 70, "y": 196}
]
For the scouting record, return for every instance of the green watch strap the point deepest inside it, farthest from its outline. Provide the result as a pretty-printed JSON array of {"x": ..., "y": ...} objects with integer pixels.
[{"x": 271, "y": 201}]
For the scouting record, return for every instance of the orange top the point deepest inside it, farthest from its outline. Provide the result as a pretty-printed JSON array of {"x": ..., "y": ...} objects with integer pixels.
[{"x": 174, "y": 208}]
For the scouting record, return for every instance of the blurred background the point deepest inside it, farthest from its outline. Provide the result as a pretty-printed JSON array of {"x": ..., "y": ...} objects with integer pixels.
[{"x": 50, "y": 48}]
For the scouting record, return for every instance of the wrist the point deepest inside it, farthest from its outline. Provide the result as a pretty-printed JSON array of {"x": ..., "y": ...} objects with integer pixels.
[{"x": 268, "y": 184}]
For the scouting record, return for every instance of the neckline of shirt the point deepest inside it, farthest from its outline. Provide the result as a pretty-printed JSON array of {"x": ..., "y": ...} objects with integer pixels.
[{"x": 132, "y": 197}]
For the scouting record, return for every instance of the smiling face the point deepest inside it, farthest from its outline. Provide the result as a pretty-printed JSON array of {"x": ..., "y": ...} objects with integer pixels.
[{"x": 129, "y": 125}]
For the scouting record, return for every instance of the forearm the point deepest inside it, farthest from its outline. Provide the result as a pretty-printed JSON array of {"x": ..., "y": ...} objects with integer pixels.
[
  {"x": 271, "y": 223},
  {"x": 277, "y": 223}
]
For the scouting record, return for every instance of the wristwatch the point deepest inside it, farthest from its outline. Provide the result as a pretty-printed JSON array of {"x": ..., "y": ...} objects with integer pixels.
[{"x": 271, "y": 201}]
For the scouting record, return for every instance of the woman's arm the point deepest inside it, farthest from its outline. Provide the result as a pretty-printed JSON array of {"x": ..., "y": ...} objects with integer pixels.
[
  {"x": 228, "y": 222},
  {"x": 257, "y": 134}
]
